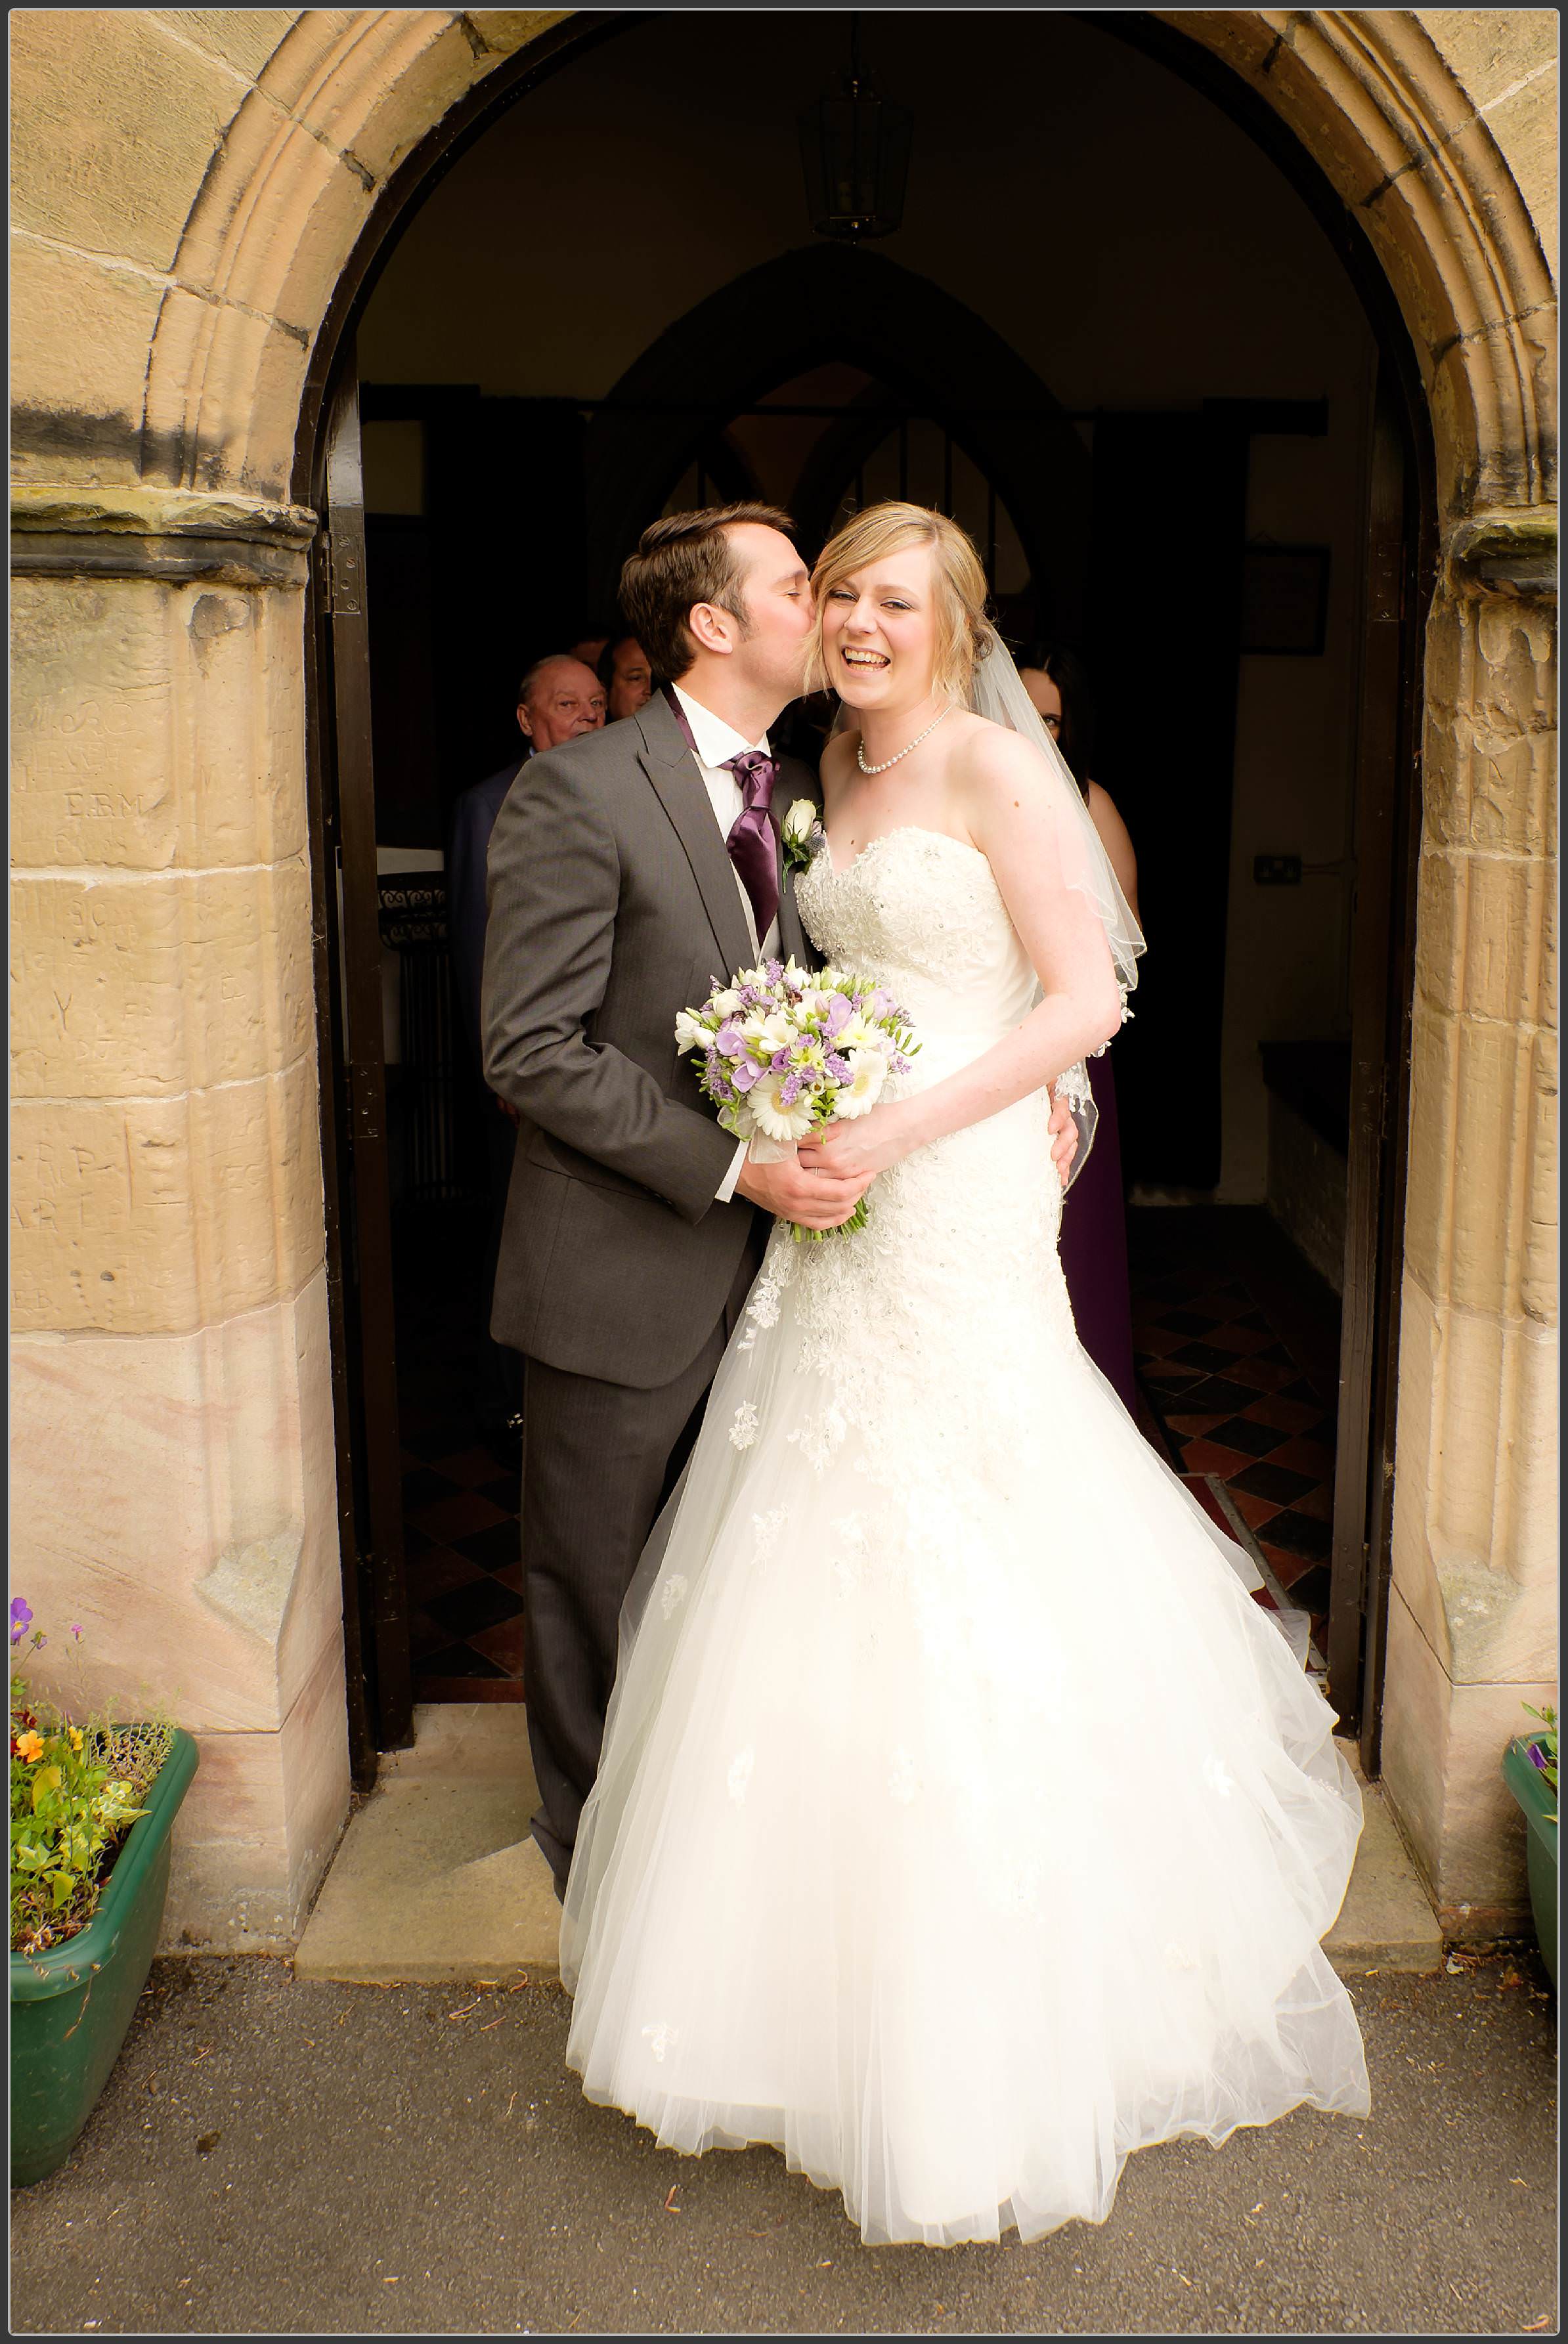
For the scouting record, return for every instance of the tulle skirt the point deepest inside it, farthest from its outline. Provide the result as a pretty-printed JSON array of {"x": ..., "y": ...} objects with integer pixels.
[{"x": 963, "y": 1825}]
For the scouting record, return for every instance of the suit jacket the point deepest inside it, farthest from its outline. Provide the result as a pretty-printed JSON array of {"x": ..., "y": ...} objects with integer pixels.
[
  {"x": 473, "y": 819},
  {"x": 613, "y": 904}
]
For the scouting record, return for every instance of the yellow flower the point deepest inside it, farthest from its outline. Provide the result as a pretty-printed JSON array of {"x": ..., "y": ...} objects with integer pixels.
[
  {"x": 76, "y": 1734},
  {"x": 30, "y": 1746}
]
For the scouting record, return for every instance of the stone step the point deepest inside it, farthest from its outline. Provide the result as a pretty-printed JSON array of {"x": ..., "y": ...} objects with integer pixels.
[
  {"x": 438, "y": 1880},
  {"x": 1386, "y": 1922}
]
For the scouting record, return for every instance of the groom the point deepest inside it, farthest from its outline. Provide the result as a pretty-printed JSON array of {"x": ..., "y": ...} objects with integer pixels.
[{"x": 628, "y": 870}]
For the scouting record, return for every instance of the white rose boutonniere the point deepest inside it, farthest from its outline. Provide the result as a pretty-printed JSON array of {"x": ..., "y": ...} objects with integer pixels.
[{"x": 802, "y": 834}]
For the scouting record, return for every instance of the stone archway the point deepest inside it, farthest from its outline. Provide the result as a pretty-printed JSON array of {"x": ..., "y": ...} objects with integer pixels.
[{"x": 195, "y": 192}]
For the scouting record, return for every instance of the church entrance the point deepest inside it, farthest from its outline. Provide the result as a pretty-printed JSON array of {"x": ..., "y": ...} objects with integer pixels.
[{"x": 1122, "y": 335}]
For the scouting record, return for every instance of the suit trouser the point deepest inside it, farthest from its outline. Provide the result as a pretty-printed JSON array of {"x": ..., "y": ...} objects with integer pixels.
[{"x": 599, "y": 1462}]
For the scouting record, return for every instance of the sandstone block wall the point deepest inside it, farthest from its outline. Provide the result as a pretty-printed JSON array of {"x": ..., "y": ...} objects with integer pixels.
[
  {"x": 173, "y": 1464},
  {"x": 1473, "y": 1631}
]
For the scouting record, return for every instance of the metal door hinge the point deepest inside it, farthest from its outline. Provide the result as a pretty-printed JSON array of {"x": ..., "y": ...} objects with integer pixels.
[{"x": 339, "y": 576}]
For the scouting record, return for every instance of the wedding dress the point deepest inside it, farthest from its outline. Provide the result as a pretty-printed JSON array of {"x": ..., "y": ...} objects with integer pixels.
[{"x": 962, "y": 1824}]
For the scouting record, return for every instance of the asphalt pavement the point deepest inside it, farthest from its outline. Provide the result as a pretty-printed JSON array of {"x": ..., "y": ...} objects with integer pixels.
[{"x": 278, "y": 2157}]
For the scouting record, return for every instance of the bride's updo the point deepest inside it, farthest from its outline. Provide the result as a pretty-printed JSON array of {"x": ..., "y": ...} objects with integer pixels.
[{"x": 963, "y": 634}]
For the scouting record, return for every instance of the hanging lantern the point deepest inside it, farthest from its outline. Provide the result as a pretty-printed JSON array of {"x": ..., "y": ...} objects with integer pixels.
[{"x": 855, "y": 151}]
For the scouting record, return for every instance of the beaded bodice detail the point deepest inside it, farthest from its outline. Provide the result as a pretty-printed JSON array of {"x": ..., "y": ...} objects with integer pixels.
[{"x": 921, "y": 912}]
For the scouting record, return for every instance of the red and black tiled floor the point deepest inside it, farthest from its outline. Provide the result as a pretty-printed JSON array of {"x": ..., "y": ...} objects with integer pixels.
[
  {"x": 464, "y": 1563},
  {"x": 1236, "y": 1402},
  {"x": 1235, "y": 1356}
]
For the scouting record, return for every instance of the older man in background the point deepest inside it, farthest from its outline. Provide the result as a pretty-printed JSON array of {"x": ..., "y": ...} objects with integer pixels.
[{"x": 557, "y": 699}]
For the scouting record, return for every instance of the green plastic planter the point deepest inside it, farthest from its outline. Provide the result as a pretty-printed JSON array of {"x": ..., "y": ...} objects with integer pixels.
[
  {"x": 1540, "y": 1805},
  {"x": 71, "y": 2007}
]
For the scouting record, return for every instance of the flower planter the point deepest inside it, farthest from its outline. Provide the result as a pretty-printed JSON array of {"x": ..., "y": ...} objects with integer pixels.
[
  {"x": 71, "y": 2007},
  {"x": 1540, "y": 1805}
]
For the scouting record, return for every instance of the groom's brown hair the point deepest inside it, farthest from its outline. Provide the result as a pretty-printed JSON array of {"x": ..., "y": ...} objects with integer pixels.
[{"x": 682, "y": 560}]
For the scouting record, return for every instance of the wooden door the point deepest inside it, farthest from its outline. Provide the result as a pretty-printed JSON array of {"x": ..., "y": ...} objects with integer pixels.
[
  {"x": 1387, "y": 808},
  {"x": 371, "y": 1505}
]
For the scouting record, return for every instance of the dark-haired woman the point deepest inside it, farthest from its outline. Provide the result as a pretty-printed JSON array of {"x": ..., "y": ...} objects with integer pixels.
[{"x": 1094, "y": 1212}]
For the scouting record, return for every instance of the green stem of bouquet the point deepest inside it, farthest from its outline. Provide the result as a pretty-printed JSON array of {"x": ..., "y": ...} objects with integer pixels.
[{"x": 856, "y": 1220}]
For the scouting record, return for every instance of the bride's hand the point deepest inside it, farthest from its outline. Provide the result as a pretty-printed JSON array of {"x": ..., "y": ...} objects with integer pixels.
[
  {"x": 1064, "y": 1138},
  {"x": 860, "y": 1150}
]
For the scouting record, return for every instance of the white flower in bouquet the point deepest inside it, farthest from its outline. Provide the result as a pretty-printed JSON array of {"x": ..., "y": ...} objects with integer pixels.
[
  {"x": 858, "y": 1035},
  {"x": 773, "y": 1118},
  {"x": 771, "y": 1033},
  {"x": 859, "y": 1095}
]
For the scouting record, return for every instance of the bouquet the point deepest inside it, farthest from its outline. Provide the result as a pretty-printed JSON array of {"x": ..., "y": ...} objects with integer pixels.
[{"x": 785, "y": 1052}]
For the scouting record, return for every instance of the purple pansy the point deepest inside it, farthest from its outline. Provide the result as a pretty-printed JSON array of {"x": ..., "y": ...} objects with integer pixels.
[{"x": 21, "y": 1618}]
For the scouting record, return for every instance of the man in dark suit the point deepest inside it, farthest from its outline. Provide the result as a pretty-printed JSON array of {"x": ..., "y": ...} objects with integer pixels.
[
  {"x": 628, "y": 870},
  {"x": 558, "y": 700}
]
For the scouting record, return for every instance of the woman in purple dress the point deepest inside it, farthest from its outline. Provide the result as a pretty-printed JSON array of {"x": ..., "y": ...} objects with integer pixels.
[{"x": 1094, "y": 1213}]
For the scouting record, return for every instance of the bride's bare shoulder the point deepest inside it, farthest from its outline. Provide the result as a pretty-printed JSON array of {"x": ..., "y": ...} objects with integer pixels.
[{"x": 989, "y": 758}]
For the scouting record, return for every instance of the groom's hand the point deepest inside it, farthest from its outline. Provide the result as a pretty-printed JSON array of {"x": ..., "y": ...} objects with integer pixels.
[
  {"x": 816, "y": 1201},
  {"x": 1064, "y": 1138}
]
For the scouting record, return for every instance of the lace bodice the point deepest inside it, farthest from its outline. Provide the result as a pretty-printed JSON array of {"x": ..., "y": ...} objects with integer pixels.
[{"x": 922, "y": 913}]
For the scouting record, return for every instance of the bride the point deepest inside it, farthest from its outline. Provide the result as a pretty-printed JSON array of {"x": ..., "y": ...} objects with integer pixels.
[{"x": 962, "y": 1824}]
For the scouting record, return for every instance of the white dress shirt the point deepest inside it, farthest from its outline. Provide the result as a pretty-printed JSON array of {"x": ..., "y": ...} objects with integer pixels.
[{"x": 716, "y": 740}]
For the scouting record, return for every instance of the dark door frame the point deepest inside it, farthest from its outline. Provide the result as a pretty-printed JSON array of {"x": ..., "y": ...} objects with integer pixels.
[{"x": 379, "y": 1713}]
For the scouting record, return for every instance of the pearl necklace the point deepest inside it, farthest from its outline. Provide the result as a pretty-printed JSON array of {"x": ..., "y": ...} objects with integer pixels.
[{"x": 860, "y": 745}]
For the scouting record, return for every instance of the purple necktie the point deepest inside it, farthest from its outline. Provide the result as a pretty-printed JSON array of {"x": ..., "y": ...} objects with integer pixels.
[
  {"x": 751, "y": 844},
  {"x": 752, "y": 848}
]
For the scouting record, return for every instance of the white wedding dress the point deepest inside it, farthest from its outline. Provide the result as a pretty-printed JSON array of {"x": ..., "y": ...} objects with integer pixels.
[{"x": 962, "y": 1824}]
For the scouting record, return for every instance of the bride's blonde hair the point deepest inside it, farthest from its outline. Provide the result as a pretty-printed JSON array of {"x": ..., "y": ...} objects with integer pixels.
[{"x": 963, "y": 636}]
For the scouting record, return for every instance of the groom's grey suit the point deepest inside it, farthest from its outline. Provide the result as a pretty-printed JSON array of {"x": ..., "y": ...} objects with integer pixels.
[{"x": 613, "y": 904}]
